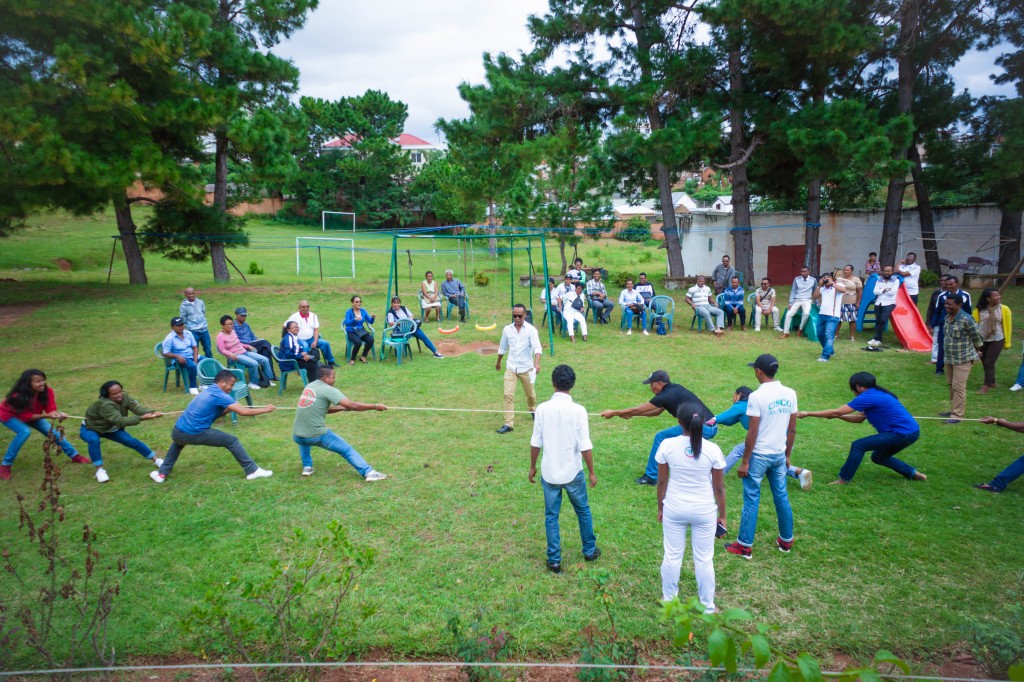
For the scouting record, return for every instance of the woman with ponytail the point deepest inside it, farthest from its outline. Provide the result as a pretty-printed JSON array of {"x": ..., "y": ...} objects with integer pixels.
[
  {"x": 897, "y": 430},
  {"x": 691, "y": 495}
]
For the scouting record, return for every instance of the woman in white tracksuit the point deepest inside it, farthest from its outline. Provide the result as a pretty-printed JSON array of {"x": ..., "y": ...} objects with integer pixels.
[
  {"x": 573, "y": 305},
  {"x": 691, "y": 495}
]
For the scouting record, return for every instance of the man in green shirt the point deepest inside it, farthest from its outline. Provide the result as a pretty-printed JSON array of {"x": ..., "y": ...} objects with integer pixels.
[{"x": 320, "y": 398}]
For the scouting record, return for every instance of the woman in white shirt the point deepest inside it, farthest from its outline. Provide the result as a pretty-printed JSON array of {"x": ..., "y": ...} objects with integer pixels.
[
  {"x": 691, "y": 495},
  {"x": 429, "y": 297},
  {"x": 573, "y": 306}
]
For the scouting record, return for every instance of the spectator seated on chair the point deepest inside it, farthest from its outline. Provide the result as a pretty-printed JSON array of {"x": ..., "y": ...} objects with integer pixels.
[
  {"x": 698, "y": 297},
  {"x": 645, "y": 289},
  {"x": 598, "y": 295},
  {"x": 632, "y": 303},
  {"x": 572, "y": 304},
  {"x": 764, "y": 305},
  {"x": 732, "y": 298},
  {"x": 800, "y": 301},
  {"x": 309, "y": 332},
  {"x": 180, "y": 346},
  {"x": 400, "y": 312},
  {"x": 358, "y": 335},
  {"x": 577, "y": 273},
  {"x": 247, "y": 336},
  {"x": 291, "y": 349},
  {"x": 548, "y": 293},
  {"x": 455, "y": 292},
  {"x": 430, "y": 297},
  {"x": 246, "y": 356}
]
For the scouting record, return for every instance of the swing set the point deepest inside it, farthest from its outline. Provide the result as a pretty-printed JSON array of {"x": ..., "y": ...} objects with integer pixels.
[{"x": 463, "y": 241}]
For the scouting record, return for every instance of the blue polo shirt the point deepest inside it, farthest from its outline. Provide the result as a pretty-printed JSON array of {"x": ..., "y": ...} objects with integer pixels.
[
  {"x": 884, "y": 412},
  {"x": 200, "y": 414},
  {"x": 178, "y": 345}
]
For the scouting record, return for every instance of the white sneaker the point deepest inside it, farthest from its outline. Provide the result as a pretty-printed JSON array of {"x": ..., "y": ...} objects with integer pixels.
[
  {"x": 629, "y": 332},
  {"x": 646, "y": 333},
  {"x": 806, "y": 478},
  {"x": 272, "y": 384},
  {"x": 193, "y": 391},
  {"x": 254, "y": 387},
  {"x": 158, "y": 462},
  {"x": 779, "y": 329},
  {"x": 822, "y": 359},
  {"x": 757, "y": 329},
  {"x": 307, "y": 471},
  {"x": 375, "y": 475},
  {"x": 101, "y": 475},
  {"x": 203, "y": 388},
  {"x": 1016, "y": 387},
  {"x": 157, "y": 476},
  {"x": 259, "y": 473}
]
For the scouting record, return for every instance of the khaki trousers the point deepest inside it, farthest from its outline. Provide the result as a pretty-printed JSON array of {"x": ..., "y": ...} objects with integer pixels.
[
  {"x": 956, "y": 377},
  {"x": 510, "y": 393}
]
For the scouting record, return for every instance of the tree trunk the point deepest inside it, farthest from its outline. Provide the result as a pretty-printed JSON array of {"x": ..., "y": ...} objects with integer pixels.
[
  {"x": 561, "y": 252},
  {"x": 742, "y": 234},
  {"x": 924, "y": 211},
  {"x": 130, "y": 242},
  {"x": 910, "y": 12},
  {"x": 812, "y": 226},
  {"x": 1009, "y": 241},
  {"x": 220, "y": 202},
  {"x": 492, "y": 243}
]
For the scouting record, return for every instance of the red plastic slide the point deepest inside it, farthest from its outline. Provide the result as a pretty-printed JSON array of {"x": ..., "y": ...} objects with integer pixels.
[{"x": 908, "y": 325}]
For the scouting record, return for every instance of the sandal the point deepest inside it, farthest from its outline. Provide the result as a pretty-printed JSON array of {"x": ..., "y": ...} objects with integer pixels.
[
  {"x": 352, "y": 363},
  {"x": 362, "y": 359},
  {"x": 986, "y": 486}
]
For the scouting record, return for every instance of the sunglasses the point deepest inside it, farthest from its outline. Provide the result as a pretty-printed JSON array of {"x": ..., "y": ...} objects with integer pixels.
[{"x": 518, "y": 317}]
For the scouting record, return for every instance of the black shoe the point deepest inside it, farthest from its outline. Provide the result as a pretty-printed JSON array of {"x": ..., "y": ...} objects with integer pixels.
[
  {"x": 945, "y": 414},
  {"x": 951, "y": 421},
  {"x": 554, "y": 568},
  {"x": 505, "y": 429},
  {"x": 646, "y": 480},
  {"x": 595, "y": 556},
  {"x": 533, "y": 415}
]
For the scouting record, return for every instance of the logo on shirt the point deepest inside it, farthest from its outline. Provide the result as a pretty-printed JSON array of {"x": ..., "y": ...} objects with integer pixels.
[
  {"x": 307, "y": 398},
  {"x": 781, "y": 406}
]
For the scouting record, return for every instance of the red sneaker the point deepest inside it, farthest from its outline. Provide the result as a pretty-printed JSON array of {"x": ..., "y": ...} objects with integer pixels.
[
  {"x": 784, "y": 546},
  {"x": 739, "y": 550},
  {"x": 79, "y": 459},
  {"x": 5, "y": 472}
]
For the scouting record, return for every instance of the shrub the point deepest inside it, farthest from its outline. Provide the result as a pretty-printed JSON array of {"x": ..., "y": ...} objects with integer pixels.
[
  {"x": 476, "y": 644},
  {"x": 997, "y": 642},
  {"x": 481, "y": 279},
  {"x": 928, "y": 278},
  {"x": 604, "y": 648},
  {"x": 254, "y": 268},
  {"x": 636, "y": 230},
  {"x": 620, "y": 278}
]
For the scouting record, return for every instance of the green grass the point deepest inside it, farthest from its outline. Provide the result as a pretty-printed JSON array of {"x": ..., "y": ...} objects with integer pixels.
[{"x": 882, "y": 563}]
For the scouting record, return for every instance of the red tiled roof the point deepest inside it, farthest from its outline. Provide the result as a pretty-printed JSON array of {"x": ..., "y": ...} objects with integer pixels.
[
  {"x": 407, "y": 140},
  {"x": 403, "y": 140}
]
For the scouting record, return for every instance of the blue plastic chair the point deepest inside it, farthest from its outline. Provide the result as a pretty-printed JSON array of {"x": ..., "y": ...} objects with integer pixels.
[
  {"x": 170, "y": 365},
  {"x": 396, "y": 338},
  {"x": 662, "y": 308},
  {"x": 287, "y": 367}
]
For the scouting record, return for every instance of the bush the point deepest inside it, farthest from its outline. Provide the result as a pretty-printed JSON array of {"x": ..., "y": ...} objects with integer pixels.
[
  {"x": 481, "y": 279},
  {"x": 254, "y": 268},
  {"x": 928, "y": 278},
  {"x": 636, "y": 230},
  {"x": 620, "y": 278},
  {"x": 476, "y": 644},
  {"x": 998, "y": 641}
]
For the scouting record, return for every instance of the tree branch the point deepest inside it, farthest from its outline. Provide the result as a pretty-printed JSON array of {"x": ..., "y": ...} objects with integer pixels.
[{"x": 754, "y": 144}]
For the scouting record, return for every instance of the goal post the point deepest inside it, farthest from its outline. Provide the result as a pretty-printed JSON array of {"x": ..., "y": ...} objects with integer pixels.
[
  {"x": 326, "y": 255},
  {"x": 324, "y": 214}
]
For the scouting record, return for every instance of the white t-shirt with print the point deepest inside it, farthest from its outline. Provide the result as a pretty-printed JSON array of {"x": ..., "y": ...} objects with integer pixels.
[
  {"x": 773, "y": 403},
  {"x": 689, "y": 479}
]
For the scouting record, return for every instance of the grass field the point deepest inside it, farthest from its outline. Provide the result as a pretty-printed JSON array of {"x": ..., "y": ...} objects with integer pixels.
[{"x": 881, "y": 563}]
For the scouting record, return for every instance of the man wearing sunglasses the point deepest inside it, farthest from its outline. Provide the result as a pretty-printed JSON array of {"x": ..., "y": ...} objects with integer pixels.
[{"x": 521, "y": 343}]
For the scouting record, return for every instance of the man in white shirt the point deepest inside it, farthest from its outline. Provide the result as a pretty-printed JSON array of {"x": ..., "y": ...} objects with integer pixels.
[
  {"x": 598, "y": 295},
  {"x": 911, "y": 272},
  {"x": 698, "y": 297},
  {"x": 309, "y": 332},
  {"x": 561, "y": 290},
  {"x": 851, "y": 299},
  {"x": 632, "y": 304},
  {"x": 573, "y": 307},
  {"x": 772, "y": 412},
  {"x": 885, "y": 302},
  {"x": 521, "y": 343},
  {"x": 799, "y": 299},
  {"x": 764, "y": 305},
  {"x": 830, "y": 298},
  {"x": 562, "y": 430}
]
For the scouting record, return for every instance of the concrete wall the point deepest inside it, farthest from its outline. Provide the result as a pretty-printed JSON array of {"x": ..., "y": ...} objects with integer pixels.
[{"x": 845, "y": 237}]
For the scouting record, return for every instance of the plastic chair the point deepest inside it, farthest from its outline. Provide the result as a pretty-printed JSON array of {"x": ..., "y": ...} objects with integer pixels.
[
  {"x": 396, "y": 338},
  {"x": 662, "y": 308},
  {"x": 287, "y": 367},
  {"x": 171, "y": 366},
  {"x": 208, "y": 369},
  {"x": 348, "y": 341},
  {"x": 451, "y": 305}
]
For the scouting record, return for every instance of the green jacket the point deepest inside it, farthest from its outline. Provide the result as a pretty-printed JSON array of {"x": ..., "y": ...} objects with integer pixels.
[{"x": 106, "y": 416}]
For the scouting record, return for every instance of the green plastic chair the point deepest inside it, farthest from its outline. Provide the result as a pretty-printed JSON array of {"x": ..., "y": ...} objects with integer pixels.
[
  {"x": 208, "y": 369},
  {"x": 287, "y": 367},
  {"x": 448, "y": 314},
  {"x": 396, "y": 338},
  {"x": 180, "y": 379},
  {"x": 662, "y": 308}
]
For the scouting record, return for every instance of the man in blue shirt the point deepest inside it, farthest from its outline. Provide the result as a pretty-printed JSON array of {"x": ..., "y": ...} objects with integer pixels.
[
  {"x": 180, "y": 346},
  {"x": 247, "y": 336},
  {"x": 193, "y": 311},
  {"x": 732, "y": 303},
  {"x": 194, "y": 427},
  {"x": 455, "y": 292}
]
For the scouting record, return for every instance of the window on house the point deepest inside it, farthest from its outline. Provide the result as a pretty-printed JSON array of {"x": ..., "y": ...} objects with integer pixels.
[{"x": 417, "y": 157}]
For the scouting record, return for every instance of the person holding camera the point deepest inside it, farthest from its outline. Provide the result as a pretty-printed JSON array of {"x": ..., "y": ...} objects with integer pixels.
[
  {"x": 830, "y": 300},
  {"x": 885, "y": 302}
]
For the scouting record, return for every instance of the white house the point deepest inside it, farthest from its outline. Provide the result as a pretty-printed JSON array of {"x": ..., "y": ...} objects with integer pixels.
[{"x": 417, "y": 147}]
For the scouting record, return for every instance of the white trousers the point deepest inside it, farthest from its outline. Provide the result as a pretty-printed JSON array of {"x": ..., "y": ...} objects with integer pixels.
[
  {"x": 757, "y": 317},
  {"x": 572, "y": 315},
  {"x": 675, "y": 522},
  {"x": 804, "y": 306}
]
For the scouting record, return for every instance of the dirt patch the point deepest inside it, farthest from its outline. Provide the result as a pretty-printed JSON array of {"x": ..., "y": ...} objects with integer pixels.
[
  {"x": 453, "y": 348},
  {"x": 62, "y": 264},
  {"x": 9, "y": 314}
]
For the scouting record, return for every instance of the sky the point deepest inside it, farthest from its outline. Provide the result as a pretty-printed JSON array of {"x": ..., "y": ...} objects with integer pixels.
[{"x": 419, "y": 51}]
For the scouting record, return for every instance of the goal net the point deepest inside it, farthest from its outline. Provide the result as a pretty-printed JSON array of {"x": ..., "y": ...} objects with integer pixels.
[
  {"x": 337, "y": 220},
  {"x": 326, "y": 257}
]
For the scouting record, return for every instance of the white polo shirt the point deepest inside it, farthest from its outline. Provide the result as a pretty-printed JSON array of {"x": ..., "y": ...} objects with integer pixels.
[
  {"x": 773, "y": 403},
  {"x": 561, "y": 430},
  {"x": 519, "y": 346},
  {"x": 831, "y": 301},
  {"x": 911, "y": 276},
  {"x": 306, "y": 325}
]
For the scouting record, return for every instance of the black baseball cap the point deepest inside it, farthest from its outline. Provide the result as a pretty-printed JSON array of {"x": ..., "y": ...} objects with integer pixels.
[
  {"x": 766, "y": 363},
  {"x": 658, "y": 375},
  {"x": 175, "y": 321}
]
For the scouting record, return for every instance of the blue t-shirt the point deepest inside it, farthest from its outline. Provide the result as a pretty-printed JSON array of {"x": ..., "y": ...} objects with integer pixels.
[
  {"x": 200, "y": 414},
  {"x": 884, "y": 412},
  {"x": 737, "y": 414}
]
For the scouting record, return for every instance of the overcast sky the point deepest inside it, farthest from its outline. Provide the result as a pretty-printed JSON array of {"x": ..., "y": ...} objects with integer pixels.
[{"x": 419, "y": 51}]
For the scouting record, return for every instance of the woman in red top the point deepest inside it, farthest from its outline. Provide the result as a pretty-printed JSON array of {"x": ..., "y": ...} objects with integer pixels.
[{"x": 29, "y": 404}]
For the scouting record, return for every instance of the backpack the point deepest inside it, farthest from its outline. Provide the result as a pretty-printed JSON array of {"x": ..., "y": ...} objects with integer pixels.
[{"x": 661, "y": 327}]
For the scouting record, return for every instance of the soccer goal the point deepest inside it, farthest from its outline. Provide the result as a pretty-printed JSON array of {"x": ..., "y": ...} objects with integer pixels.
[
  {"x": 337, "y": 223},
  {"x": 330, "y": 257}
]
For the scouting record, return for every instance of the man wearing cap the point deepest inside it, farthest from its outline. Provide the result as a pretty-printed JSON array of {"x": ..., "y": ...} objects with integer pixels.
[
  {"x": 772, "y": 412},
  {"x": 667, "y": 398},
  {"x": 180, "y": 345},
  {"x": 309, "y": 332},
  {"x": 193, "y": 311},
  {"x": 521, "y": 343},
  {"x": 247, "y": 336}
]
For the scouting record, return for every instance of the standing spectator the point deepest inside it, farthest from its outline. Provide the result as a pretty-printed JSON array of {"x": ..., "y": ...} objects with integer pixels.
[
  {"x": 180, "y": 346},
  {"x": 455, "y": 292},
  {"x": 572, "y": 307},
  {"x": 698, "y": 297},
  {"x": 291, "y": 349},
  {"x": 561, "y": 429},
  {"x": 246, "y": 356},
  {"x": 911, "y": 272},
  {"x": 1016, "y": 468},
  {"x": 193, "y": 311},
  {"x": 247, "y": 336},
  {"x": 799, "y": 299},
  {"x": 872, "y": 266},
  {"x": 960, "y": 346},
  {"x": 355, "y": 320},
  {"x": 764, "y": 305},
  {"x": 645, "y": 289},
  {"x": 885, "y": 302},
  {"x": 521, "y": 343},
  {"x": 995, "y": 323},
  {"x": 929, "y": 318},
  {"x": 733, "y": 298},
  {"x": 28, "y": 405},
  {"x": 632, "y": 304},
  {"x": 851, "y": 299},
  {"x": 598, "y": 295},
  {"x": 952, "y": 290},
  {"x": 108, "y": 418},
  {"x": 691, "y": 495},
  {"x": 830, "y": 298},
  {"x": 309, "y": 332},
  {"x": 897, "y": 430},
  {"x": 400, "y": 312},
  {"x": 430, "y": 297},
  {"x": 722, "y": 275},
  {"x": 772, "y": 411}
]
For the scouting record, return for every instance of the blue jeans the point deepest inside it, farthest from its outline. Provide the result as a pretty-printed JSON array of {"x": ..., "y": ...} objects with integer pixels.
[
  {"x": 190, "y": 369},
  {"x": 577, "y": 492},
  {"x": 22, "y": 431},
  {"x": 671, "y": 432},
  {"x": 1008, "y": 475},
  {"x": 627, "y": 314},
  {"x": 774, "y": 467},
  {"x": 712, "y": 315},
  {"x": 426, "y": 342},
  {"x": 736, "y": 454},
  {"x": 827, "y": 334},
  {"x": 92, "y": 439},
  {"x": 335, "y": 443},
  {"x": 1020, "y": 374},
  {"x": 251, "y": 361},
  {"x": 324, "y": 347},
  {"x": 203, "y": 339},
  {"x": 882, "y": 446}
]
